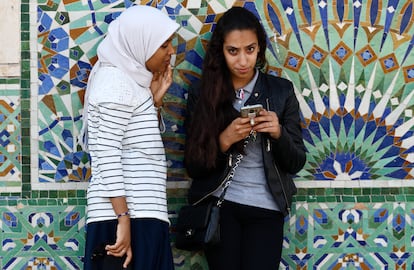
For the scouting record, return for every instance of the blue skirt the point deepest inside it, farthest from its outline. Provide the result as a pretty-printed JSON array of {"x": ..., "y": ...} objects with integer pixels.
[{"x": 149, "y": 241}]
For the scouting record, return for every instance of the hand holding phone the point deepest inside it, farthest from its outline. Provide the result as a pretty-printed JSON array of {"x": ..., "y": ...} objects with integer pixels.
[{"x": 251, "y": 111}]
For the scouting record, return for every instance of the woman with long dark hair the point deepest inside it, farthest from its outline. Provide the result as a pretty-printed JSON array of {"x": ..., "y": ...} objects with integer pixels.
[{"x": 268, "y": 144}]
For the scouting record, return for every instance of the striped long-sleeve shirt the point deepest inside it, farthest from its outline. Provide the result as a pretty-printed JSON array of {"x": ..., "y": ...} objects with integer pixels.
[{"x": 128, "y": 157}]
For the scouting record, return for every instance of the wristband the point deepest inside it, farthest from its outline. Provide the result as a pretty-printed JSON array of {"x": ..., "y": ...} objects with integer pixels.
[{"x": 123, "y": 214}]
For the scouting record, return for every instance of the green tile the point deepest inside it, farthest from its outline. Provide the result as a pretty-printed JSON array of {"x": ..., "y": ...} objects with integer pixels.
[
  {"x": 302, "y": 191},
  {"x": 25, "y": 132},
  {"x": 25, "y": 140},
  {"x": 26, "y": 178},
  {"x": 331, "y": 198},
  {"x": 300, "y": 198},
  {"x": 53, "y": 194},
  {"x": 377, "y": 198},
  {"x": 72, "y": 193},
  {"x": 25, "y": 66},
  {"x": 390, "y": 198},
  {"x": 385, "y": 191},
  {"x": 348, "y": 198},
  {"x": 25, "y": 84},
  {"x": 13, "y": 81},
  {"x": 24, "y": 8},
  {"x": 25, "y": 45},
  {"x": 400, "y": 198},
  {"x": 32, "y": 202},
  {"x": 366, "y": 191},
  {"x": 52, "y": 202},
  {"x": 81, "y": 193},
  {"x": 320, "y": 199},
  {"x": 376, "y": 191},
  {"x": 12, "y": 202},
  {"x": 73, "y": 201},
  {"x": 26, "y": 150},
  {"x": 44, "y": 194},
  {"x": 25, "y": 36},
  {"x": 26, "y": 187},
  {"x": 25, "y": 123},
  {"x": 25, "y": 159},
  {"x": 25, "y": 114},
  {"x": 63, "y": 193},
  {"x": 82, "y": 202},
  {"x": 42, "y": 202},
  {"x": 409, "y": 190},
  {"x": 363, "y": 199},
  {"x": 320, "y": 191},
  {"x": 348, "y": 191},
  {"x": 25, "y": 73},
  {"x": 35, "y": 194},
  {"x": 357, "y": 191},
  {"x": 394, "y": 191}
]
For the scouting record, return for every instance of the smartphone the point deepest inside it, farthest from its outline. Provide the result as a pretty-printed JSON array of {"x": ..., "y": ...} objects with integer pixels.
[
  {"x": 102, "y": 261},
  {"x": 251, "y": 111}
]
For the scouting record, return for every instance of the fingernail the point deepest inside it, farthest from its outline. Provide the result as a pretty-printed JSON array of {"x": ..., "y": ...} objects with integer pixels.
[{"x": 173, "y": 59}]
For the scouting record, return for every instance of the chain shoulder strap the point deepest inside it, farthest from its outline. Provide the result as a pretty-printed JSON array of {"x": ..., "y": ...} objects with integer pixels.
[{"x": 229, "y": 179}]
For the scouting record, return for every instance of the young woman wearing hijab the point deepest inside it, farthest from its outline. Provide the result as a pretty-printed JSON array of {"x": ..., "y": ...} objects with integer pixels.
[
  {"x": 260, "y": 194},
  {"x": 127, "y": 219}
]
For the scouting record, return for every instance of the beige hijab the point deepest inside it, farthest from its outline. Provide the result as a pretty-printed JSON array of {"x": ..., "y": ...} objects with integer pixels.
[{"x": 132, "y": 38}]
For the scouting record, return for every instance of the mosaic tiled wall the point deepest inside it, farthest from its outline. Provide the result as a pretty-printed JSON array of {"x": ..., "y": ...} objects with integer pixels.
[{"x": 352, "y": 66}]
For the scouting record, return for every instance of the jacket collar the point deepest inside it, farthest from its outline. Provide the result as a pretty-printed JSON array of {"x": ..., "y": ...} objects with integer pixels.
[{"x": 258, "y": 93}]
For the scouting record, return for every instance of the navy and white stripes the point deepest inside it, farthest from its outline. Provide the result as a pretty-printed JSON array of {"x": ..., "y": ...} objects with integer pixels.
[{"x": 128, "y": 158}]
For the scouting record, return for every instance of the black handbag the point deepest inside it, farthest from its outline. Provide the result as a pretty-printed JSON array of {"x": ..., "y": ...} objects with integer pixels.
[{"x": 198, "y": 224}]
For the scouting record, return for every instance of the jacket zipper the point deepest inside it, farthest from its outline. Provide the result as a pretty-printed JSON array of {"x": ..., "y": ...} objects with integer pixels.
[
  {"x": 230, "y": 164},
  {"x": 274, "y": 165},
  {"x": 280, "y": 178}
]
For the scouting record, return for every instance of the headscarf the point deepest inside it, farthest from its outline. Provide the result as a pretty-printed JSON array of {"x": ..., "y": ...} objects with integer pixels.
[{"x": 132, "y": 38}]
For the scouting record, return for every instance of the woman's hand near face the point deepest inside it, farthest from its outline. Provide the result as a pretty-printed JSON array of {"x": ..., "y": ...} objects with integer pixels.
[
  {"x": 160, "y": 84},
  {"x": 238, "y": 129}
]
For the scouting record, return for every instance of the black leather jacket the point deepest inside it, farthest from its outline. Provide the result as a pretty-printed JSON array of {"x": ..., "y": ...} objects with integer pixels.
[{"x": 283, "y": 157}]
